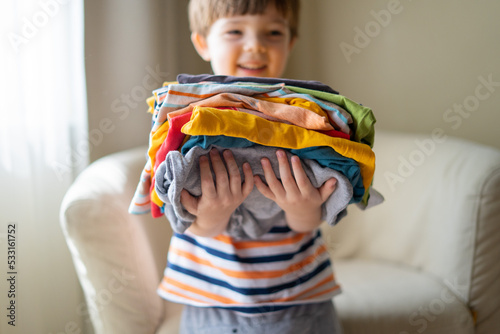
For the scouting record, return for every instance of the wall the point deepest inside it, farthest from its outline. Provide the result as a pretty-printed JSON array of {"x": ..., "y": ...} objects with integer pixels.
[
  {"x": 420, "y": 65},
  {"x": 131, "y": 48}
]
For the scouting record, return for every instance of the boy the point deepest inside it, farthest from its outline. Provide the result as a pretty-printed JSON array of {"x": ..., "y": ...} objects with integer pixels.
[{"x": 253, "y": 38}]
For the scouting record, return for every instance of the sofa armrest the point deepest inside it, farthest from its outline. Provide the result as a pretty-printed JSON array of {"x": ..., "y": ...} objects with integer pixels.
[
  {"x": 441, "y": 215},
  {"x": 117, "y": 255}
]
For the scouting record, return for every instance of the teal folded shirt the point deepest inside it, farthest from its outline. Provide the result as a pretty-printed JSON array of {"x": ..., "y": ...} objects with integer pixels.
[{"x": 325, "y": 156}]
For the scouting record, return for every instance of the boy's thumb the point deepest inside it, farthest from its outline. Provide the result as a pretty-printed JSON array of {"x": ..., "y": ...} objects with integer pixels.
[
  {"x": 189, "y": 202},
  {"x": 328, "y": 188}
]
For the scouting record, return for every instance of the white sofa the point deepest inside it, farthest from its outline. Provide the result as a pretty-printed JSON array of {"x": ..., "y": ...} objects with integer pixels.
[{"x": 424, "y": 261}]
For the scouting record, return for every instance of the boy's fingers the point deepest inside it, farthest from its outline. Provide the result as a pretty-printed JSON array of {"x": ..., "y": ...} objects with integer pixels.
[
  {"x": 287, "y": 178},
  {"x": 249, "y": 182},
  {"x": 233, "y": 171},
  {"x": 207, "y": 181},
  {"x": 301, "y": 179},
  {"x": 263, "y": 188},
  {"x": 272, "y": 181},
  {"x": 221, "y": 177}
]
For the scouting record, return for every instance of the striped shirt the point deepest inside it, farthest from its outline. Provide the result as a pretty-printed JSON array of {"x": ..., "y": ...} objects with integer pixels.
[{"x": 281, "y": 269}]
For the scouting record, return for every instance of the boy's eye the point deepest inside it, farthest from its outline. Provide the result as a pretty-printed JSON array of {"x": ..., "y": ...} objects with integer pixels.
[
  {"x": 234, "y": 32},
  {"x": 275, "y": 33}
]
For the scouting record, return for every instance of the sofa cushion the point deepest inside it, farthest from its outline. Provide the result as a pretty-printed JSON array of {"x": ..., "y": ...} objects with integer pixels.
[{"x": 380, "y": 297}]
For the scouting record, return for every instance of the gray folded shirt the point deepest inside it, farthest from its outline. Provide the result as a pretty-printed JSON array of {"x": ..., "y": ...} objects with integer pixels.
[{"x": 257, "y": 214}]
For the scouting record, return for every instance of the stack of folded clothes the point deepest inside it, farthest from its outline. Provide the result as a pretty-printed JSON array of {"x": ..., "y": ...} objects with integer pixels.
[{"x": 254, "y": 117}]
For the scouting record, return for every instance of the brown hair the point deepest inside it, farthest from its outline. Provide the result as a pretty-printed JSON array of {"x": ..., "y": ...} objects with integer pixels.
[{"x": 203, "y": 13}]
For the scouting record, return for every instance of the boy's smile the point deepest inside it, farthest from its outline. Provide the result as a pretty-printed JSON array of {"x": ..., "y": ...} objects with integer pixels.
[{"x": 247, "y": 45}]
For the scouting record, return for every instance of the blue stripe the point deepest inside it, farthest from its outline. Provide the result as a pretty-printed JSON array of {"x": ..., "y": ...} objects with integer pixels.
[
  {"x": 252, "y": 291},
  {"x": 280, "y": 229},
  {"x": 257, "y": 259},
  {"x": 257, "y": 309}
]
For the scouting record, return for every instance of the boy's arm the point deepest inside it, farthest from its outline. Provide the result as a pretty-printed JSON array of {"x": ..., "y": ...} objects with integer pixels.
[
  {"x": 300, "y": 200},
  {"x": 219, "y": 199}
]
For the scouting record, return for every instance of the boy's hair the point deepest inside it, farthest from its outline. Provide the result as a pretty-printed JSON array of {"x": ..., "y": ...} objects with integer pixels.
[{"x": 203, "y": 13}]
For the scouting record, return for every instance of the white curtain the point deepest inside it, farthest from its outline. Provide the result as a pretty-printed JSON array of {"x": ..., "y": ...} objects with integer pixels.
[{"x": 43, "y": 145}]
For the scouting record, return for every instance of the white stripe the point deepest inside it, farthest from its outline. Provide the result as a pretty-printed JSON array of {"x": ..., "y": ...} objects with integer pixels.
[{"x": 238, "y": 266}]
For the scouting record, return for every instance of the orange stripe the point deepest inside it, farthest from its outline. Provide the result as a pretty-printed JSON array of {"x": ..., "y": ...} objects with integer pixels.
[
  {"x": 201, "y": 96},
  {"x": 167, "y": 290},
  {"x": 336, "y": 287},
  {"x": 252, "y": 274},
  {"x": 256, "y": 244},
  {"x": 200, "y": 292},
  {"x": 141, "y": 204}
]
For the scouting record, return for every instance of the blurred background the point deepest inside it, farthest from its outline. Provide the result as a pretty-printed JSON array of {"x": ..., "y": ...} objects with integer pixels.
[
  {"x": 75, "y": 75},
  {"x": 410, "y": 61}
]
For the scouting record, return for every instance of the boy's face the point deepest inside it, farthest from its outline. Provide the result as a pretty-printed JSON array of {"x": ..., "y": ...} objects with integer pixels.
[{"x": 247, "y": 45}]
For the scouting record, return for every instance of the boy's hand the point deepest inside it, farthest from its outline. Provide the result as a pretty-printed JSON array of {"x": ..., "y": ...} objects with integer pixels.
[
  {"x": 300, "y": 200},
  {"x": 218, "y": 200}
]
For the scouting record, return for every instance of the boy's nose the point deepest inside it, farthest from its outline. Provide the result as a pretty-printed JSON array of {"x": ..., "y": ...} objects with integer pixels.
[{"x": 254, "y": 44}]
